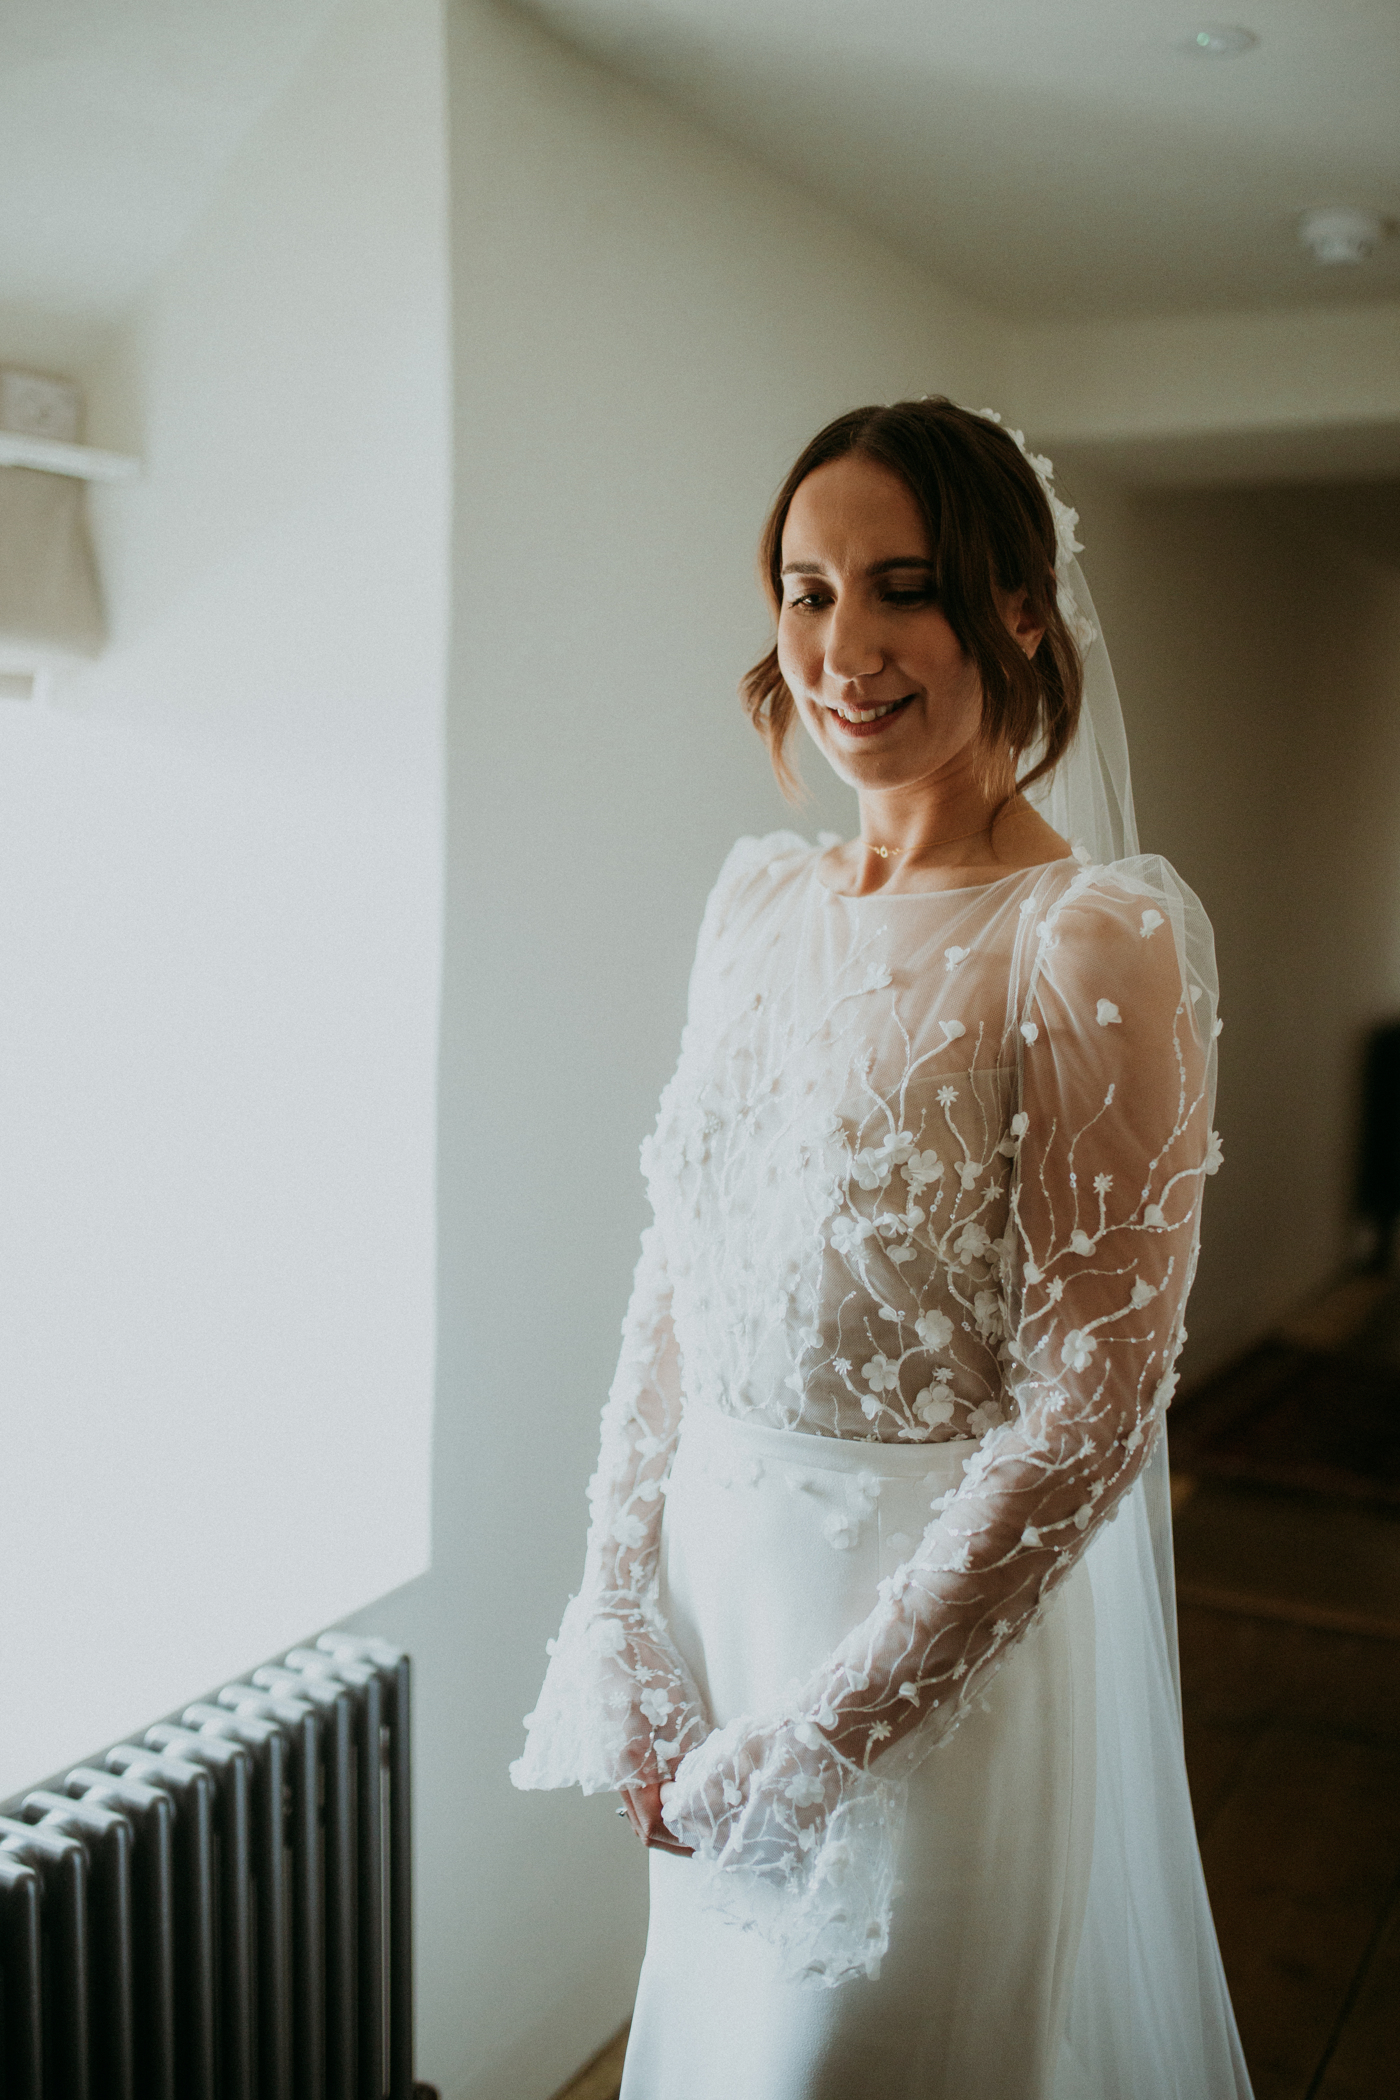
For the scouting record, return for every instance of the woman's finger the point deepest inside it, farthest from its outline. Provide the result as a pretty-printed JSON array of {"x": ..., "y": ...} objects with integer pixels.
[{"x": 643, "y": 1806}]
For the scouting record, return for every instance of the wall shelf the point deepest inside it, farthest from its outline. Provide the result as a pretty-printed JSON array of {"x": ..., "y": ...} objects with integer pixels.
[{"x": 81, "y": 462}]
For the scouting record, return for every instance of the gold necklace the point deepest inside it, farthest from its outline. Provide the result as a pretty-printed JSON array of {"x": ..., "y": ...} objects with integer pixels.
[{"x": 885, "y": 852}]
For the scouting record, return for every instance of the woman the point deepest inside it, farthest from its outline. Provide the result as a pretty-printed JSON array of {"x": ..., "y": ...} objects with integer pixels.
[{"x": 926, "y": 1188}]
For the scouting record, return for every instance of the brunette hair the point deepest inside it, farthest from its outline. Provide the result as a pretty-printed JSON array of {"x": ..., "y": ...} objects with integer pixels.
[{"x": 988, "y": 522}]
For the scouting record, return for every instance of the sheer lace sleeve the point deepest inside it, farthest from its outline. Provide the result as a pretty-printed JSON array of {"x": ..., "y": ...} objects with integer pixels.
[
  {"x": 1110, "y": 1026},
  {"x": 618, "y": 1706}
]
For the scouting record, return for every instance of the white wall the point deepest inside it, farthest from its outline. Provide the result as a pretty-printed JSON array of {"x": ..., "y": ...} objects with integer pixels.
[
  {"x": 1259, "y": 663},
  {"x": 1223, "y": 377},
  {"x": 220, "y": 913},
  {"x": 648, "y": 327}
]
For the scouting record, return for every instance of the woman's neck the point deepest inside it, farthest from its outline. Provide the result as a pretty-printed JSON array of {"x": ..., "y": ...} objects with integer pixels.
[
  {"x": 948, "y": 823},
  {"x": 910, "y": 839}
]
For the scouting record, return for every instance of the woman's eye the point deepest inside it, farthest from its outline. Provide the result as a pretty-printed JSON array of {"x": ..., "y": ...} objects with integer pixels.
[
  {"x": 917, "y": 597},
  {"x": 807, "y": 600}
]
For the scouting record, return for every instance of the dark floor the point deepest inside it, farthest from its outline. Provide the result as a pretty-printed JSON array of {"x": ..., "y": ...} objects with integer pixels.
[{"x": 1293, "y": 1746}]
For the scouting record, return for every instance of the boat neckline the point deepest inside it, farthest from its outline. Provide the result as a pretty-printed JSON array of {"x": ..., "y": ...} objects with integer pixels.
[{"x": 965, "y": 889}]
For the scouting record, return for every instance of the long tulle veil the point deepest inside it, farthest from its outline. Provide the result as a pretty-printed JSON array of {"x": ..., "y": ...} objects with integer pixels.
[{"x": 1149, "y": 2010}]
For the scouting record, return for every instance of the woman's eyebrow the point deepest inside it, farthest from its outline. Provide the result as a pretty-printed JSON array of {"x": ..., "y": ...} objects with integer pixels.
[{"x": 877, "y": 568}]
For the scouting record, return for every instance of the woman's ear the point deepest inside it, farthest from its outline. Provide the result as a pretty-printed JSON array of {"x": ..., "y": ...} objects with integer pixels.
[{"x": 1024, "y": 631}]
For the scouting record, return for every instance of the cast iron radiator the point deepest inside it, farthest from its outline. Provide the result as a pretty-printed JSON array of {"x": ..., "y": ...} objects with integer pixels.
[{"x": 222, "y": 1910}]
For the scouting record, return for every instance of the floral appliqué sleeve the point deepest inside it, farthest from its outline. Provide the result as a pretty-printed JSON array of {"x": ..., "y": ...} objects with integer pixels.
[
  {"x": 1110, "y": 1030},
  {"x": 618, "y": 1706}
]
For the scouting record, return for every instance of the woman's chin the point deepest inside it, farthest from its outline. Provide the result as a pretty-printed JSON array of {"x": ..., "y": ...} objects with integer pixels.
[{"x": 871, "y": 766}]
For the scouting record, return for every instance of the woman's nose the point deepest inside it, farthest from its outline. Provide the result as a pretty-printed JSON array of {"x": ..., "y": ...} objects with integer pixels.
[{"x": 853, "y": 646}]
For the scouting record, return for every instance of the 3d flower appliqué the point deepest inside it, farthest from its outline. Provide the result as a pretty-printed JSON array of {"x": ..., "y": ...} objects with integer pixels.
[
  {"x": 934, "y": 1329},
  {"x": 1077, "y": 1349}
]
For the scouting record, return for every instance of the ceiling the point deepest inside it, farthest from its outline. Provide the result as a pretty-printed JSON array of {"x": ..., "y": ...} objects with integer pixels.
[
  {"x": 1052, "y": 158},
  {"x": 116, "y": 119}
]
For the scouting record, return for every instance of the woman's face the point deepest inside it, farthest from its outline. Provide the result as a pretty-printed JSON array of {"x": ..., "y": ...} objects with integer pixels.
[{"x": 879, "y": 677}]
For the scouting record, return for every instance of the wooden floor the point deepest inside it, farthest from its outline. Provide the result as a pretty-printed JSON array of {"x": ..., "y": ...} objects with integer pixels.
[
  {"x": 1293, "y": 1746},
  {"x": 602, "y": 2078}
]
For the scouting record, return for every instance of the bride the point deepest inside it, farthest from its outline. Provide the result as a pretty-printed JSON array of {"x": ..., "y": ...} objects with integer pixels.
[{"x": 875, "y": 1635}]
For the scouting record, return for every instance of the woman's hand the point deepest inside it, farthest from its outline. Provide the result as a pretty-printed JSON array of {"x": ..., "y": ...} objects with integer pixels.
[
  {"x": 643, "y": 1808},
  {"x": 758, "y": 1794}
]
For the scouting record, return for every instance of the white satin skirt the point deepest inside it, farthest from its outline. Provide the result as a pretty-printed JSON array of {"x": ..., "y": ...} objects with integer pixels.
[{"x": 774, "y": 1542}]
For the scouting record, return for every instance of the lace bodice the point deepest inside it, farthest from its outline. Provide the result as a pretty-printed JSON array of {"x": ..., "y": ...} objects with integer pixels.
[
  {"x": 929, "y": 1168},
  {"x": 831, "y": 1161}
]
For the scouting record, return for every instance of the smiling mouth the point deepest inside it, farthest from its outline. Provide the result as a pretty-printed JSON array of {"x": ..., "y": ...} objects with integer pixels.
[{"x": 864, "y": 717}]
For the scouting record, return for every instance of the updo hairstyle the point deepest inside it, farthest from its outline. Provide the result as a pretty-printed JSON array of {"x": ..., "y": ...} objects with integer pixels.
[{"x": 988, "y": 522}]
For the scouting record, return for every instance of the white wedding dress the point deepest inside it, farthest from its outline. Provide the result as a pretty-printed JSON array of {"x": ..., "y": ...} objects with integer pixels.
[
  {"x": 879, "y": 1572},
  {"x": 926, "y": 1186}
]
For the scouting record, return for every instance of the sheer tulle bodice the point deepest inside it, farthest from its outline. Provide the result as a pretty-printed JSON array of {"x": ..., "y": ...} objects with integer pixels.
[
  {"x": 929, "y": 1168},
  {"x": 830, "y": 1169}
]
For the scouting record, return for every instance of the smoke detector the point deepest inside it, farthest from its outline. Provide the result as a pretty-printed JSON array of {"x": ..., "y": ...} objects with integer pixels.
[
  {"x": 1337, "y": 234},
  {"x": 1220, "y": 41}
]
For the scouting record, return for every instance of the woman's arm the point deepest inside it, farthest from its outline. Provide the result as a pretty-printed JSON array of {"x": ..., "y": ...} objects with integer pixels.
[
  {"x": 1113, "y": 1145},
  {"x": 619, "y": 1708}
]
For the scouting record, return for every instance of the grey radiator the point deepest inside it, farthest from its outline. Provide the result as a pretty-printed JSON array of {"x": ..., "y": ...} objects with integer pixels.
[{"x": 223, "y": 1909}]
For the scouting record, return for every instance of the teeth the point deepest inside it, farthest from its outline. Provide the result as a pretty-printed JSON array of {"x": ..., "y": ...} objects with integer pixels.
[{"x": 865, "y": 714}]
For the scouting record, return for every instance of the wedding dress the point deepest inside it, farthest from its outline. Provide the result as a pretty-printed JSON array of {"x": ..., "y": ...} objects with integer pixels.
[{"x": 879, "y": 1567}]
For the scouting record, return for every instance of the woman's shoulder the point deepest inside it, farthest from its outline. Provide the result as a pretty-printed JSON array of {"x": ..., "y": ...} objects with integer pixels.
[
  {"x": 1130, "y": 923},
  {"x": 752, "y": 869},
  {"x": 754, "y": 855},
  {"x": 1141, "y": 887}
]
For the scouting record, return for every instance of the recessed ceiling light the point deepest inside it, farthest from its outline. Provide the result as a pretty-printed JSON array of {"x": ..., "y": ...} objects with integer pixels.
[
  {"x": 1217, "y": 42},
  {"x": 1338, "y": 234}
]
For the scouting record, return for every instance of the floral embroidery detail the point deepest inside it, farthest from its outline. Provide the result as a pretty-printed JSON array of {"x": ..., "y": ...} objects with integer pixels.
[
  {"x": 934, "y": 1405},
  {"x": 1076, "y": 1349},
  {"x": 986, "y": 1313},
  {"x": 1107, "y": 1014},
  {"x": 934, "y": 1329},
  {"x": 847, "y": 1234},
  {"x": 953, "y": 956},
  {"x": 922, "y": 1169},
  {"x": 1151, "y": 920}
]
